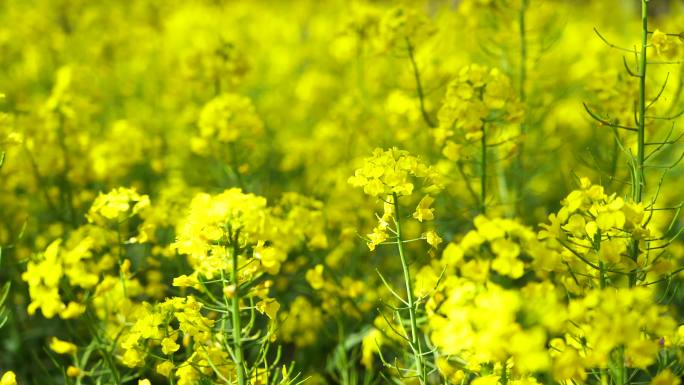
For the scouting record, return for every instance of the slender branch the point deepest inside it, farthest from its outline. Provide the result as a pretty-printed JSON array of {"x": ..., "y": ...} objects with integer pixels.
[
  {"x": 605, "y": 122},
  {"x": 611, "y": 45},
  {"x": 419, "y": 85}
]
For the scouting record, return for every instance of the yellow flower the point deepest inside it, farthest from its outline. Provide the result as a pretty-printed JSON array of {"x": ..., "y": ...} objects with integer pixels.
[
  {"x": 423, "y": 211},
  {"x": 486, "y": 380},
  {"x": 663, "y": 378},
  {"x": 271, "y": 258},
  {"x": 62, "y": 347},
  {"x": 73, "y": 371},
  {"x": 568, "y": 365},
  {"x": 315, "y": 277},
  {"x": 9, "y": 378},
  {"x": 661, "y": 42},
  {"x": 186, "y": 281},
  {"x": 369, "y": 346},
  {"x": 229, "y": 291},
  {"x": 453, "y": 254},
  {"x": 445, "y": 368},
  {"x": 641, "y": 353},
  {"x": 452, "y": 151},
  {"x": 169, "y": 346},
  {"x": 132, "y": 358},
  {"x": 269, "y": 307},
  {"x": 432, "y": 238},
  {"x": 72, "y": 310},
  {"x": 227, "y": 117},
  {"x": 164, "y": 368},
  {"x": 144, "y": 382},
  {"x": 378, "y": 236}
]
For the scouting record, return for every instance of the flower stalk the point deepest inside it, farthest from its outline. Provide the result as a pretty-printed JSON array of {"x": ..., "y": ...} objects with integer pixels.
[{"x": 411, "y": 303}]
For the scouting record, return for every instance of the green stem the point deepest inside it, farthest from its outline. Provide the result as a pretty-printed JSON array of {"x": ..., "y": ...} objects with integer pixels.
[
  {"x": 622, "y": 371},
  {"x": 234, "y": 164},
  {"x": 419, "y": 85},
  {"x": 101, "y": 347},
  {"x": 639, "y": 178},
  {"x": 415, "y": 340},
  {"x": 237, "y": 328},
  {"x": 483, "y": 172},
  {"x": 122, "y": 277},
  {"x": 344, "y": 365},
  {"x": 637, "y": 189},
  {"x": 523, "y": 96},
  {"x": 523, "y": 50},
  {"x": 65, "y": 189}
]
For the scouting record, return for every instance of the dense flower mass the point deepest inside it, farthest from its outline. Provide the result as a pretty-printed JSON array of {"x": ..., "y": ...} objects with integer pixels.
[{"x": 431, "y": 192}]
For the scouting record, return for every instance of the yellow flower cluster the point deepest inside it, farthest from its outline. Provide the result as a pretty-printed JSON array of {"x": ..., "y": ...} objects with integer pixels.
[
  {"x": 72, "y": 261},
  {"x": 400, "y": 27},
  {"x": 228, "y": 117},
  {"x": 301, "y": 324},
  {"x": 500, "y": 246},
  {"x": 233, "y": 219},
  {"x": 476, "y": 97},
  {"x": 155, "y": 328},
  {"x": 476, "y": 322},
  {"x": 117, "y": 206},
  {"x": 628, "y": 318},
  {"x": 216, "y": 223},
  {"x": 389, "y": 172},
  {"x": 186, "y": 203},
  {"x": 603, "y": 237},
  {"x": 481, "y": 324}
]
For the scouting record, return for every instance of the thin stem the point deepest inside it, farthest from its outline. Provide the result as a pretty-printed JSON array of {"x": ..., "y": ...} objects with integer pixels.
[
  {"x": 234, "y": 164},
  {"x": 466, "y": 181},
  {"x": 122, "y": 276},
  {"x": 415, "y": 340},
  {"x": 523, "y": 50},
  {"x": 523, "y": 96},
  {"x": 419, "y": 85},
  {"x": 639, "y": 181},
  {"x": 237, "y": 328},
  {"x": 67, "y": 192},
  {"x": 101, "y": 348},
  {"x": 483, "y": 172}
]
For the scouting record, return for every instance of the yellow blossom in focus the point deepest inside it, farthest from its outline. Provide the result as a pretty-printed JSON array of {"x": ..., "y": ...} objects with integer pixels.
[
  {"x": 169, "y": 346},
  {"x": 164, "y": 368},
  {"x": 423, "y": 211},
  {"x": 269, "y": 307},
  {"x": 62, "y": 347}
]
